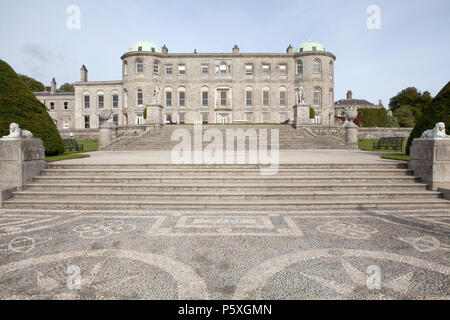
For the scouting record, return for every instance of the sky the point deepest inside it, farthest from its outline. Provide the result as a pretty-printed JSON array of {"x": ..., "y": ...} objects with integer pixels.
[{"x": 410, "y": 47}]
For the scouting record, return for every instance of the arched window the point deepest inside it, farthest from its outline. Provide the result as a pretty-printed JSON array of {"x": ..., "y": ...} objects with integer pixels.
[
  {"x": 283, "y": 97},
  {"x": 299, "y": 67},
  {"x": 331, "y": 68},
  {"x": 331, "y": 98},
  {"x": 139, "y": 65},
  {"x": 100, "y": 99},
  {"x": 115, "y": 99},
  {"x": 168, "y": 97},
  {"x": 248, "y": 96},
  {"x": 205, "y": 96},
  {"x": 125, "y": 98},
  {"x": 266, "y": 96},
  {"x": 317, "y": 97},
  {"x": 125, "y": 68},
  {"x": 139, "y": 98},
  {"x": 317, "y": 66}
]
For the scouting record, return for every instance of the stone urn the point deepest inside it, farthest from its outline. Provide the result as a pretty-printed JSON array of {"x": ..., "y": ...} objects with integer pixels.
[{"x": 351, "y": 114}]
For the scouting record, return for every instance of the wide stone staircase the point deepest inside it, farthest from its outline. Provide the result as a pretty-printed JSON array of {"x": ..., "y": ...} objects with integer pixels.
[
  {"x": 289, "y": 138},
  {"x": 243, "y": 187}
]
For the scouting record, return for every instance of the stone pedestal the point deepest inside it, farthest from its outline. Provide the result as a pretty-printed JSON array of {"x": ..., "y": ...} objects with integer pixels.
[
  {"x": 20, "y": 161},
  {"x": 301, "y": 115},
  {"x": 105, "y": 134},
  {"x": 154, "y": 114},
  {"x": 430, "y": 160},
  {"x": 351, "y": 136}
]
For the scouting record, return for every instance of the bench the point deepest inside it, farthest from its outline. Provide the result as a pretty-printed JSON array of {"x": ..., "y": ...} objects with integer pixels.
[
  {"x": 394, "y": 143},
  {"x": 72, "y": 144}
]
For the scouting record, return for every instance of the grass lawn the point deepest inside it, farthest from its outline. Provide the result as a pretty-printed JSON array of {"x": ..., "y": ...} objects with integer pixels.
[
  {"x": 367, "y": 145},
  {"x": 89, "y": 146}
]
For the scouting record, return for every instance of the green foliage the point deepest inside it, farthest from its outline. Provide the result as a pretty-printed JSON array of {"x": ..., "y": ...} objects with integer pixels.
[
  {"x": 371, "y": 118},
  {"x": 145, "y": 113},
  {"x": 67, "y": 87},
  {"x": 312, "y": 113},
  {"x": 392, "y": 122},
  {"x": 413, "y": 100},
  {"x": 32, "y": 84},
  {"x": 405, "y": 116},
  {"x": 18, "y": 104},
  {"x": 437, "y": 111}
]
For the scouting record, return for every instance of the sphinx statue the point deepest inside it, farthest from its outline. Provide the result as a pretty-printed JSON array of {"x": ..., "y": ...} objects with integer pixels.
[
  {"x": 438, "y": 132},
  {"x": 15, "y": 133}
]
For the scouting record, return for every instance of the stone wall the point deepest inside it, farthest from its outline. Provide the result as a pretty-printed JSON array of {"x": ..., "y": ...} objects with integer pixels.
[{"x": 377, "y": 133}]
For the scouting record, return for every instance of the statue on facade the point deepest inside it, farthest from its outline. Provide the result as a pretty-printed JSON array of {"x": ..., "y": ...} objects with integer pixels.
[
  {"x": 437, "y": 133},
  {"x": 301, "y": 96},
  {"x": 157, "y": 94},
  {"x": 15, "y": 133}
]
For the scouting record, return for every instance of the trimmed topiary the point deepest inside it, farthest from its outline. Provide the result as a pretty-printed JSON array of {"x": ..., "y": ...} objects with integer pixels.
[
  {"x": 437, "y": 111},
  {"x": 18, "y": 104},
  {"x": 312, "y": 113},
  {"x": 371, "y": 118}
]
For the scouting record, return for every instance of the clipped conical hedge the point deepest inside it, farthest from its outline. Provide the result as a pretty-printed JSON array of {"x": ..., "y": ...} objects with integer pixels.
[
  {"x": 438, "y": 111},
  {"x": 18, "y": 104}
]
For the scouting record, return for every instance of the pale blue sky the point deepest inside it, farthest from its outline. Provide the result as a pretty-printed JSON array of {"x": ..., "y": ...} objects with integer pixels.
[{"x": 412, "y": 48}]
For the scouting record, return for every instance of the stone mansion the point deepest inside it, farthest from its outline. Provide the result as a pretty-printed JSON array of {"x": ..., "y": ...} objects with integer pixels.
[{"x": 209, "y": 87}]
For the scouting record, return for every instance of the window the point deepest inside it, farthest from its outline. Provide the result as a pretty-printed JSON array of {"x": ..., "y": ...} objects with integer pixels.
[
  {"x": 283, "y": 70},
  {"x": 299, "y": 67},
  {"x": 283, "y": 97},
  {"x": 317, "y": 97},
  {"x": 182, "y": 70},
  {"x": 156, "y": 68},
  {"x": 168, "y": 98},
  {"x": 330, "y": 68},
  {"x": 86, "y": 101},
  {"x": 52, "y": 105},
  {"x": 266, "y": 69},
  {"x": 169, "y": 70},
  {"x": 205, "y": 117},
  {"x": 66, "y": 106},
  {"x": 248, "y": 98},
  {"x": 266, "y": 117},
  {"x": 101, "y": 101},
  {"x": 205, "y": 98},
  {"x": 314, "y": 48},
  {"x": 139, "y": 119},
  {"x": 115, "y": 101},
  {"x": 168, "y": 118},
  {"x": 205, "y": 70},
  {"x": 317, "y": 66},
  {"x": 116, "y": 119},
  {"x": 248, "y": 69},
  {"x": 223, "y": 69},
  {"x": 87, "y": 122},
  {"x": 223, "y": 98},
  {"x": 248, "y": 117},
  {"x": 125, "y": 68},
  {"x": 126, "y": 99},
  {"x": 139, "y": 98},
  {"x": 182, "y": 98},
  {"x": 139, "y": 66},
  {"x": 182, "y": 118},
  {"x": 265, "y": 98}
]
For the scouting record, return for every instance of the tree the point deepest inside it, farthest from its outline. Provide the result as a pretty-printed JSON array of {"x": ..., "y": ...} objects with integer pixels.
[
  {"x": 32, "y": 84},
  {"x": 437, "y": 111},
  {"x": 392, "y": 122},
  {"x": 413, "y": 99},
  {"x": 18, "y": 104},
  {"x": 405, "y": 116},
  {"x": 67, "y": 87}
]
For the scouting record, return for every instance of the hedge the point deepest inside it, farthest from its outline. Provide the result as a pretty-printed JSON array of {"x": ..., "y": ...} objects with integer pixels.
[
  {"x": 18, "y": 104},
  {"x": 437, "y": 111},
  {"x": 371, "y": 118}
]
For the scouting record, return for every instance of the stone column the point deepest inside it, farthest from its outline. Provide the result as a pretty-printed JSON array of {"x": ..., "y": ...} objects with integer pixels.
[
  {"x": 351, "y": 136},
  {"x": 301, "y": 115},
  {"x": 154, "y": 114},
  {"x": 105, "y": 133},
  {"x": 430, "y": 160},
  {"x": 20, "y": 161}
]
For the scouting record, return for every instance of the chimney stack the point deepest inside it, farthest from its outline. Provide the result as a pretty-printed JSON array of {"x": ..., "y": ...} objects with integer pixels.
[
  {"x": 236, "y": 49},
  {"x": 380, "y": 103},
  {"x": 53, "y": 86},
  {"x": 289, "y": 50},
  {"x": 164, "y": 50},
  {"x": 349, "y": 95},
  {"x": 84, "y": 74}
]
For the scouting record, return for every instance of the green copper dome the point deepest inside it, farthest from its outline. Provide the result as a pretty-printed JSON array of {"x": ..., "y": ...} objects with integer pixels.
[
  {"x": 145, "y": 46},
  {"x": 310, "y": 46}
]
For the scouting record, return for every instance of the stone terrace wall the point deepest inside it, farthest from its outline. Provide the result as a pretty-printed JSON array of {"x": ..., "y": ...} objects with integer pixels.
[{"x": 377, "y": 133}]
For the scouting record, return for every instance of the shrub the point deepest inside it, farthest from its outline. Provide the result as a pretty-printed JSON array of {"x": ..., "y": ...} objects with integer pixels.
[
  {"x": 18, "y": 104},
  {"x": 145, "y": 113},
  {"x": 370, "y": 118},
  {"x": 312, "y": 113},
  {"x": 437, "y": 111}
]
